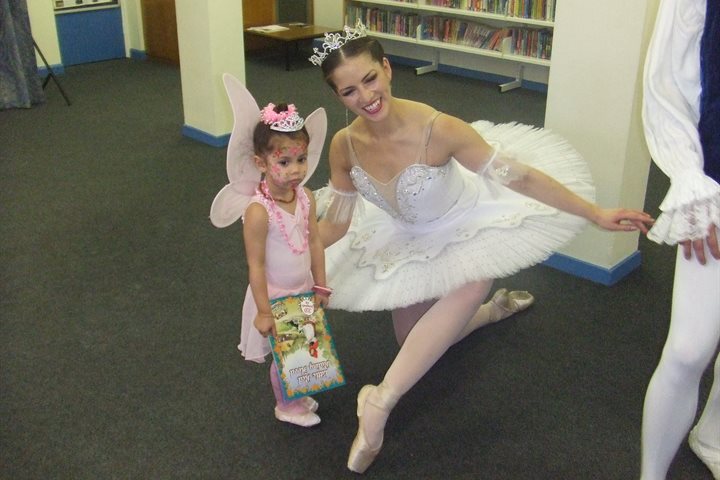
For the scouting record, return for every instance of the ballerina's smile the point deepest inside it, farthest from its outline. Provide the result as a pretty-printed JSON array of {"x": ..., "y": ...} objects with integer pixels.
[{"x": 373, "y": 107}]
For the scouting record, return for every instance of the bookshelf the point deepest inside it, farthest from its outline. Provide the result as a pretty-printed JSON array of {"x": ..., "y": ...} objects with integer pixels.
[{"x": 518, "y": 31}]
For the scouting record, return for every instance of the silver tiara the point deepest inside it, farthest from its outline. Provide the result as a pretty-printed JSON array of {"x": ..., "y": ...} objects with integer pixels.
[
  {"x": 286, "y": 121},
  {"x": 290, "y": 123},
  {"x": 333, "y": 41}
]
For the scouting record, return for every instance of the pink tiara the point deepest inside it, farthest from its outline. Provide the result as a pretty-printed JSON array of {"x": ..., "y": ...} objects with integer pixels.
[
  {"x": 287, "y": 121},
  {"x": 333, "y": 41}
]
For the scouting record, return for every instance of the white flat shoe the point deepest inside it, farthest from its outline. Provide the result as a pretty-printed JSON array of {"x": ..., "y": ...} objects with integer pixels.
[
  {"x": 304, "y": 419},
  {"x": 710, "y": 456},
  {"x": 309, "y": 403}
]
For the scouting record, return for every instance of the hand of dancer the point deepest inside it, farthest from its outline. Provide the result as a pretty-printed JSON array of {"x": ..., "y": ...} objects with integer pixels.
[
  {"x": 623, "y": 220},
  {"x": 265, "y": 323},
  {"x": 698, "y": 246}
]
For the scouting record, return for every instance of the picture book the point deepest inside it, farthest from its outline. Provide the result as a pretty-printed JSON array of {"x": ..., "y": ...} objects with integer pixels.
[{"x": 303, "y": 348}]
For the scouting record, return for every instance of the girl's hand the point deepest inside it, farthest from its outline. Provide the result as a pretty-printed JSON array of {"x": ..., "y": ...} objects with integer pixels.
[
  {"x": 265, "y": 323},
  {"x": 623, "y": 220},
  {"x": 321, "y": 300}
]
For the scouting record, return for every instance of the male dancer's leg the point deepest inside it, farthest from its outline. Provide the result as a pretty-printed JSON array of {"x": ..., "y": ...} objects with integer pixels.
[{"x": 672, "y": 395}]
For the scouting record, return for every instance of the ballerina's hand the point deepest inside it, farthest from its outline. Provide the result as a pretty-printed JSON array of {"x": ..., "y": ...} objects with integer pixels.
[
  {"x": 698, "y": 246},
  {"x": 623, "y": 220}
]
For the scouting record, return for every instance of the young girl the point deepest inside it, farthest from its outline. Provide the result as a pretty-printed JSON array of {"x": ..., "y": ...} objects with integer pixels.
[{"x": 283, "y": 248}]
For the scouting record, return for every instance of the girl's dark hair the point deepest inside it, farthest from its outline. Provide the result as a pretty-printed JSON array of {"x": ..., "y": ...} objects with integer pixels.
[
  {"x": 263, "y": 135},
  {"x": 351, "y": 49}
]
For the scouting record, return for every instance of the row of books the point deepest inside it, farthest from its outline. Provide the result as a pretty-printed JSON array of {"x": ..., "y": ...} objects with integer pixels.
[
  {"x": 532, "y": 42},
  {"x": 535, "y": 9},
  {"x": 384, "y": 21}
]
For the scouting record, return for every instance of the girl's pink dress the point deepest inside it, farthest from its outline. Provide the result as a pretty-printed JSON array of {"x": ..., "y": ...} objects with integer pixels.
[{"x": 287, "y": 273}]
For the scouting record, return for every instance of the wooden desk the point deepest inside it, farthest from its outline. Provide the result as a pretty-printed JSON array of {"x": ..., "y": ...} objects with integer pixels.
[{"x": 292, "y": 33}]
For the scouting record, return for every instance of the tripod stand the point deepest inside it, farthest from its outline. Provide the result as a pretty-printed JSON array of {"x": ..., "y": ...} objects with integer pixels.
[{"x": 51, "y": 74}]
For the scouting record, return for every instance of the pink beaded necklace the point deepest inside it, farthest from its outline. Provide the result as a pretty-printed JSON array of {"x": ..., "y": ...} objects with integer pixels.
[{"x": 275, "y": 211}]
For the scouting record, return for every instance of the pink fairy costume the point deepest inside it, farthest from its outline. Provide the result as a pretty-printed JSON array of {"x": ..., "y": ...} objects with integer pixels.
[
  {"x": 287, "y": 260},
  {"x": 288, "y": 272}
]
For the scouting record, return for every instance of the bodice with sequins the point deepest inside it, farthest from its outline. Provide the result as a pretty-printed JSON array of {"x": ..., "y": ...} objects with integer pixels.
[{"x": 419, "y": 194}]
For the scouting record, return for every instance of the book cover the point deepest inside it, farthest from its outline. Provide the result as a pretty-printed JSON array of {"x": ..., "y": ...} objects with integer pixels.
[{"x": 304, "y": 349}]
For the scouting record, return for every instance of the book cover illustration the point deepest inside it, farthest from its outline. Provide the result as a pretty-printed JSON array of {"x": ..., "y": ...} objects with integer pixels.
[{"x": 304, "y": 349}]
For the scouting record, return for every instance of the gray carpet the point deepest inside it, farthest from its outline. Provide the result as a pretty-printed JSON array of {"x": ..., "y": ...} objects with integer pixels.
[{"x": 120, "y": 305}]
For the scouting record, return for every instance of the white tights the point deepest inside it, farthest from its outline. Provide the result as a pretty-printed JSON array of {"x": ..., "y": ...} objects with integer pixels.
[
  {"x": 404, "y": 319},
  {"x": 440, "y": 325},
  {"x": 672, "y": 396}
]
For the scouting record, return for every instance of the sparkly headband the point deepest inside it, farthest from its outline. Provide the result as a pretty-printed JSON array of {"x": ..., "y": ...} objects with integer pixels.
[
  {"x": 287, "y": 121},
  {"x": 333, "y": 41}
]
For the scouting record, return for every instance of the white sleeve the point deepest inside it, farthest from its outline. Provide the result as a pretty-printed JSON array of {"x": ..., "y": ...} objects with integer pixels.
[
  {"x": 337, "y": 206},
  {"x": 670, "y": 117},
  {"x": 503, "y": 167}
]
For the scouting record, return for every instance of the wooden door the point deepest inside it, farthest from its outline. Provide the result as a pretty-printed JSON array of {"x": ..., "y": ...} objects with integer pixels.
[
  {"x": 160, "y": 29},
  {"x": 256, "y": 13}
]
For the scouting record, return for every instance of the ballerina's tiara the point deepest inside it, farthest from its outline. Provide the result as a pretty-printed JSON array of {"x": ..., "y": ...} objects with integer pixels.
[
  {"x": 333, "y": 41},
  {"x": 287, "y": 121}
]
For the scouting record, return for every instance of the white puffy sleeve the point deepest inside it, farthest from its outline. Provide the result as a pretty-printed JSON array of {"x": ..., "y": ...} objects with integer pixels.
[
  {"x": 670, "y": 118},
  {"x": 337, "y": 206}
]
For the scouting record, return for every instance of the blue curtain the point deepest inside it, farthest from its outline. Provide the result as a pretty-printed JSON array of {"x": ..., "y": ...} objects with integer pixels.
[{"x": 20, "y": 85}]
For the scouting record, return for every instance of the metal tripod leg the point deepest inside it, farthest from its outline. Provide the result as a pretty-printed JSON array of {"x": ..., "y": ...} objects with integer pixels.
[{"x": 51, "y": 74}]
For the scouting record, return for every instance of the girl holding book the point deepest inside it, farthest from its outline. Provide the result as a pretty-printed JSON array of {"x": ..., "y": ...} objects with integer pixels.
[
  {"x": 271, "y": 154},
  {"x": 425, "y": 210}
]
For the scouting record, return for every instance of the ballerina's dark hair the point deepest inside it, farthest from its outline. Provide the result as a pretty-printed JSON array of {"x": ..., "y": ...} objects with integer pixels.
[
  {"x": 263, "y": 134},
  {"x": 351, "y": 49}
]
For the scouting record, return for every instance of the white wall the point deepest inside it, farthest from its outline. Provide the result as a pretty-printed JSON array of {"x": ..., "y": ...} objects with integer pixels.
[
  {"x": 132, "y": 25},
  {"x": 594, "y": 100},
  {"x": 210, "y": 39},
  {"x": 44, "y": 31},
  {"x": 328, "y": 13}
]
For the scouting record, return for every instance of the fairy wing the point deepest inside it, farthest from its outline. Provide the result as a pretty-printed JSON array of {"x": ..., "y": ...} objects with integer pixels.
[
  {"x": 230, "y": 203},
  {"x": 316, "y": 125}
]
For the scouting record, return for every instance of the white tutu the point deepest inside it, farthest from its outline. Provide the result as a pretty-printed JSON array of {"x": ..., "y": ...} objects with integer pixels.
[{"x": 489, "y": 231}]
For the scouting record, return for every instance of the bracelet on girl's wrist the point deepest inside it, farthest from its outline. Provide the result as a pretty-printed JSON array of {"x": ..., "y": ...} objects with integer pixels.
[{"x": 322, "y": 290}]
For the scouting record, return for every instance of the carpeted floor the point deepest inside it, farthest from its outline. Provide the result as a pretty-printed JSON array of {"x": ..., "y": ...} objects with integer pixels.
[{"x": 120, "y": 304}]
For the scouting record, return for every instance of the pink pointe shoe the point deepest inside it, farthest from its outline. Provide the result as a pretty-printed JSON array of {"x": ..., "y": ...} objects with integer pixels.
[
  {"x": 509, "y": 303},
  {"x": 362, "y": 454}
]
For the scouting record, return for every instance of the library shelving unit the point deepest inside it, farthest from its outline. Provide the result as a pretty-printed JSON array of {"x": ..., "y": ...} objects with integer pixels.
[{"x": 518, "y": 31}]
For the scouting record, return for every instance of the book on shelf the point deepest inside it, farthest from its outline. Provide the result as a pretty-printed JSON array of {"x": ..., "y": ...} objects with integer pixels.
[{"x": 303, "y": 348}]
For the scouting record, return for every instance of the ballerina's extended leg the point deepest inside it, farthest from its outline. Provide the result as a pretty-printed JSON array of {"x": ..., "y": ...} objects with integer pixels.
[{"x": 428, "y": 340}]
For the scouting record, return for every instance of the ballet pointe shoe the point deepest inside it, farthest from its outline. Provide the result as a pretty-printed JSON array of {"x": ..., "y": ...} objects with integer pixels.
[
  {"x": 509, "y": 303},
  {"x": 362, "y": 454}
]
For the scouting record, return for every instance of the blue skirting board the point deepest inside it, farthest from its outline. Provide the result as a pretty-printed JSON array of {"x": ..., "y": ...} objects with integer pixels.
[
  {"x": 595, "y": 273},
  {"x": 204, "y": 137}
]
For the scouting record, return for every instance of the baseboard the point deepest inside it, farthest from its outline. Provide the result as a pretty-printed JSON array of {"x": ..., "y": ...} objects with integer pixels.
[
  {"x": 204, "y": 137},
  {"x": 57, "y": 69},
  {"x": 467, "y": 73},
  {"x": 595, "y": 273},
  {"x": 137, "y": 54}
]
